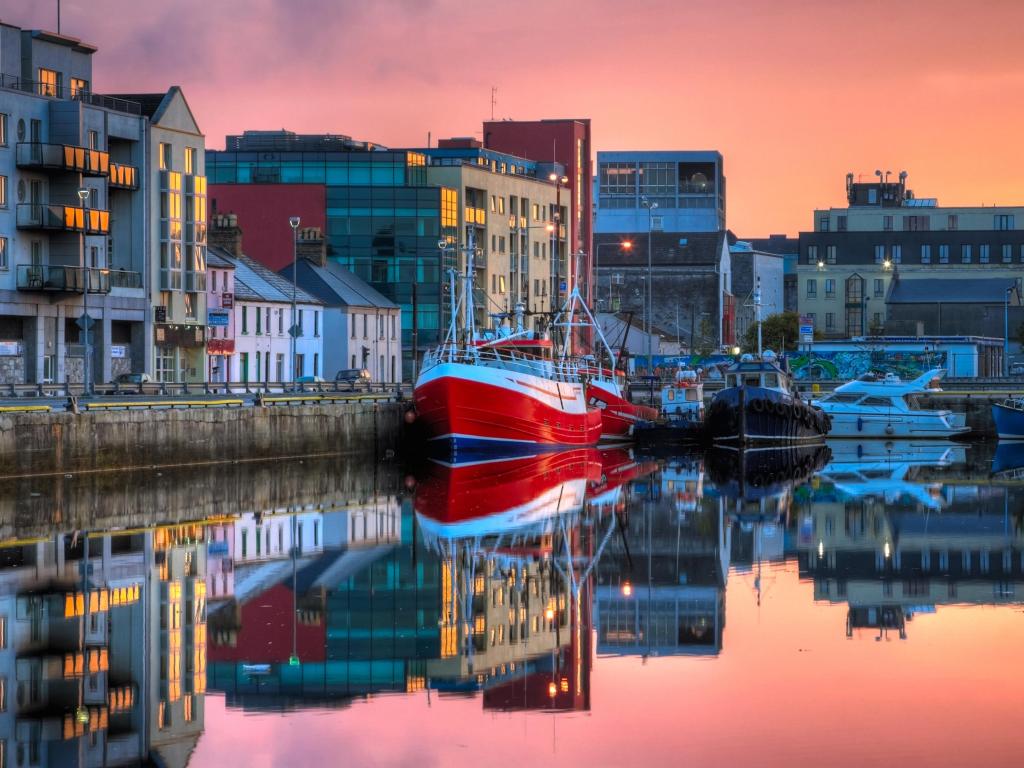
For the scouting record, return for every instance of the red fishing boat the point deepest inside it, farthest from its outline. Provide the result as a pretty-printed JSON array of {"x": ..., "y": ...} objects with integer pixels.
[{"x": 504, "y": 392}]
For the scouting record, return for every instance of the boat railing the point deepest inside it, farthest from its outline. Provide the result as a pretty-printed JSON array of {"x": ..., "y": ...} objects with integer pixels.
[{"x": 506, "y": 359}]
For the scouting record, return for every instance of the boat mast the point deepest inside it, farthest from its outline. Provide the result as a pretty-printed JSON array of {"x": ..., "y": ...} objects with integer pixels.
[
  {"x": 468, "y": 296},
  {"x": 757, "y": 314}
]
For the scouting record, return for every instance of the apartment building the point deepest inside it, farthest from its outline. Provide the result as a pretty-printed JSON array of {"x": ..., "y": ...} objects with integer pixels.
[{"x": 848, "y": 262}]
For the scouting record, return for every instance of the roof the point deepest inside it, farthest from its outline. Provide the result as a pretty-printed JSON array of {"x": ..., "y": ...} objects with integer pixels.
[
  {"x": 214, "y": 259},
  {"x": 336, "y": 286},
  {"x": 668, "y": 248},
  {"x": 150, "y": 102},
  {"x": 779, "y": 244},
  {"x": 974, "y": 290},
  {"x": 638, "y": 324},
  {"x": 255, "y": 282}
]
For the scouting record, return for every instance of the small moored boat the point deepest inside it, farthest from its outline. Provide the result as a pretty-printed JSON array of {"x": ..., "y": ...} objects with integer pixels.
[
  {"x": 1009, "y": 418},
  {"x": 888, "y": 407}
]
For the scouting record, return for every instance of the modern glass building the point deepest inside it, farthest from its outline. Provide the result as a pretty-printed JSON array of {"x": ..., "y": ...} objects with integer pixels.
[{"x": 378, "y": 216}]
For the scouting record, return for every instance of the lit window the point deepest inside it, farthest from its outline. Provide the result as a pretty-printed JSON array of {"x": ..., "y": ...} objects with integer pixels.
[
  {"x": 3, "y": 130},
  {"x": 50, "y": 83},
  {"x": 3, "y": 191},
  {"x": 3, "y": 256},
  {"x": 165, "y": 157},
  {"x": 190, "y": 160}
]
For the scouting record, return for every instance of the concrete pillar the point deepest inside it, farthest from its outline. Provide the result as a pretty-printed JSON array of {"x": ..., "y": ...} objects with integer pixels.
[
  {"x": 33, "y": 342},
  {"x": 61, "y": 373},
  {"x": 102, "y": 355}
]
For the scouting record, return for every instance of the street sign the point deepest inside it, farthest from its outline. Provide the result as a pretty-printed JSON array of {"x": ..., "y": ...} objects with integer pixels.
[
  {"x": 563, "y": 285},
  {"x": 84, "y": 321},
  {"x": 806, "y": 329},
  {"x": 295, "y": 331}
]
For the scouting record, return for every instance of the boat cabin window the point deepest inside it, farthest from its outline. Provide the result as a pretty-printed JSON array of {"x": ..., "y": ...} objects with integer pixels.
[
  {"x": 691, "y": 395},
  {"x": 771, "y": 380},
  {"x": 882, "y": 401},
  {"x": 842, "y": 397},
  {"x": 752, "y": 380}
]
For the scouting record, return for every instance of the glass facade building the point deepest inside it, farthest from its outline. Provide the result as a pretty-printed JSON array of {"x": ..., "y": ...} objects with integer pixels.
[{"x": 379, "y": 218}]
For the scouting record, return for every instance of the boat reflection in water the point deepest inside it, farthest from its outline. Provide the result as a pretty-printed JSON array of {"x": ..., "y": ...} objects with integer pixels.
[{"x": 888, "y": 537}]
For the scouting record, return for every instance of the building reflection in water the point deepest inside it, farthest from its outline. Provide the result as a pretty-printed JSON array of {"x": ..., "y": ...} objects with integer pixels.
[
  {"x": 661, "y": 581},
  {"x": 893, "y": 537},
  {"x": 104, "y": 647}
]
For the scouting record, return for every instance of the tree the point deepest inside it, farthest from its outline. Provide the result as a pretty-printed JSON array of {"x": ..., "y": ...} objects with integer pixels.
[{"x": 780, "y": 333}]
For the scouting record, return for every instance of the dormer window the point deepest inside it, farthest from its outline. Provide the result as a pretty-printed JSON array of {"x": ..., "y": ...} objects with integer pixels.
[{"x": 51, "y": 83}]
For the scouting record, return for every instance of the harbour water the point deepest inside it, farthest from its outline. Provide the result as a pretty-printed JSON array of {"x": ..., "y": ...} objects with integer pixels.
[{"x": 587, "y": 608}]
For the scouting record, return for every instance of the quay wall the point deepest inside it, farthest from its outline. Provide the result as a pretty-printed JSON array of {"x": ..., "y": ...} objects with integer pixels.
[{"x": 33, "y": 443}]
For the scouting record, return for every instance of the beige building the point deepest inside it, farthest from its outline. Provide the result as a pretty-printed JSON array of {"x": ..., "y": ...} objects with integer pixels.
[
  {"x": 511, "y": 215},
  {"x": 847, "y": 263}
]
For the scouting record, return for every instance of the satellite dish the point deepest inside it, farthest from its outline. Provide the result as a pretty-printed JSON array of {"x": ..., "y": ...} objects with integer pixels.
[{"x": 699, "y": 180}]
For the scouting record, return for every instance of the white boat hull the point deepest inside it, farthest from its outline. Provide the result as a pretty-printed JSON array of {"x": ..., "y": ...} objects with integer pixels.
[{"x": 889, "y": 426}]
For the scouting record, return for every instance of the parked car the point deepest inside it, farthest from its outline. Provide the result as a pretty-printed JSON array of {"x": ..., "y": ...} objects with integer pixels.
[
  {"x": 352, "y": 376},
  {"x": 133, "y": 378}
]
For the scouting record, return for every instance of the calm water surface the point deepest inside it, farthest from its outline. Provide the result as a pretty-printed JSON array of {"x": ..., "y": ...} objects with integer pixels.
[{"x": 594, "y": 608}]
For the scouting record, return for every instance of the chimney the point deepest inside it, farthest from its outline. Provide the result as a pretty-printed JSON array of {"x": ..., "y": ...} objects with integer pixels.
[
  {"x": 310, "y": 246},
  {"x": 225, "y": 233}
]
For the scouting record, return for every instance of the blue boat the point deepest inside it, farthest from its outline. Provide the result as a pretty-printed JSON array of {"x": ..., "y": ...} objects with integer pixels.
[{"x": 1009, "y": 418}]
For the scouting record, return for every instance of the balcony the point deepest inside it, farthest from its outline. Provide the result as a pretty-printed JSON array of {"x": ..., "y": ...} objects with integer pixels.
[
  {"x": 58, "y": 279},
  {"x": 69, "y": 218},
  {"x": 123, "y": 278},
  {"x": 62, "y": 157},
  {"x": 54, "y": 91},
  {"x": 123, "y": 176}
]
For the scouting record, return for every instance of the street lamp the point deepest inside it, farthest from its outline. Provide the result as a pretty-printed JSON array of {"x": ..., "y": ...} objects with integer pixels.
[
  {"x": 293, "y": 222},
  {"x": 83, "y": 195},
  {"x": 625, "y": 245},
  {"x": 651, "y": 208}
]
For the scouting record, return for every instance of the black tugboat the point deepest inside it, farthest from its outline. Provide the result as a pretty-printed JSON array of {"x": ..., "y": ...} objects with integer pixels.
[{"x": 760, "y": 406}]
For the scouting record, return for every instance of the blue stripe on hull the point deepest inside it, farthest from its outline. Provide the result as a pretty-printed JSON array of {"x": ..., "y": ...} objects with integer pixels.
[{"x": 467, "y": 447}]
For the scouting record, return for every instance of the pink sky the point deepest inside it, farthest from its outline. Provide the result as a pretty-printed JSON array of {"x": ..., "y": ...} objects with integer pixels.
[{"x": 794, "y": 93}]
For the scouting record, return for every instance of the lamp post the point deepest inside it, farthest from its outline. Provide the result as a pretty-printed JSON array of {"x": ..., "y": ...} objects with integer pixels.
[
  {"x": 651, "y": 208},
  {"x": 294, "y": 222},
  {"x": 625, "y": 245},
  {"x": 83, "y": 195}
]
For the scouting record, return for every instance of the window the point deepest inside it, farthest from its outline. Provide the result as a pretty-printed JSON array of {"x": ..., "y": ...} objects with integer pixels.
[
  {"x": 79, "y": 87},
  {"x": 245, "y": 320},
  {"x": 897, "y": 254},
  {"x": 1003, "y": 221},
  {"x": 887, "y": 223},
  {"x": 830, "y": 321},
  {"x": 1007, "y": 253},
  {"x": 915, "y": 223},
  {"x": 3, "y": 191},
  {"x": 879, "y": 287},
  {"x": 165, "y": 157},
  {"x": 266, "y": 318},
  {"x": 316, "y": 363},
  {"x": 879, "y": 254},
  {"x": 316, "y": 328},
  {"x": 259, "y": 330},
  {"x": 841, "y": 223},
  {"x": 3, "y": 253},
  {"x": 926, "y": 254},
  {"x": 823, "y": 223},
  {"x": 812, "y": 289},
  {"x": 876, "y": 319},
  {"x": 536, "y": 212},
  {"x": 258, "y": 376},
  {"x": 943, "y": 254},
  {"x": 952, "y": 221},
  {"x": 501, "y": 205},
  {"x": 830, "y": 254},
  {"x": 50, "y": 83},
  {"x": 280, "y": 323},
  {"x": 190, "y": 160},
  {"x": 3, "y": 130},
  {"x": 299, "y": 324},
  {"x": 366, "y": 325},
  {"x": 392, "y": 326},
  {"x": 353, "y": 321},
  {"x": 830, "y": 288},
  {"x": 812, "y": 254},
  {"x": 983, "y": 252},
  {"x": 244, "y": 364},
  {"x": 213, "y": 280},
  {"x": 494, "y": 204},
  {"x": 965, "y": 253},
  {"x": 279, "y": 366},
  {"x": 3, "y": 632}
]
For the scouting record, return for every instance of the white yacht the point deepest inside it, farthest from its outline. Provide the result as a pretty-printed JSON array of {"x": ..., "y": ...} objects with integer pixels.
[{"x": 886, "y": 406}]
